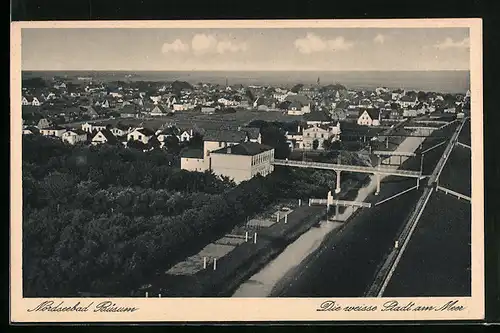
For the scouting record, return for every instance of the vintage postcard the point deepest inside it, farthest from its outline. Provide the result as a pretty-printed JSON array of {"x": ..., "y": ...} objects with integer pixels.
[{"x": 281, "y": 170}]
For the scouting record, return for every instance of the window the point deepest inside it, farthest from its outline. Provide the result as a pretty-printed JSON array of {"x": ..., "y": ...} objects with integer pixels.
[{"x": 139, "y": 137}]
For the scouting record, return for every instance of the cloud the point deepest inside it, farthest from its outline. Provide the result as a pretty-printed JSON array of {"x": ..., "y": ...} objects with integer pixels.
[
  {"x": 203, "y": 43},
  {"x": 379, "y": 39},
  {"x": 313, "y": 43},
  {"x": 176, "y": 46},
  {"x": 448, "y": 43},
  {"x": 228, "y": 46}
]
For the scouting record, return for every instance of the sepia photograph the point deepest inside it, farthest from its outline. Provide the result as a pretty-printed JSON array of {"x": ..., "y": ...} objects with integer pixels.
[{"x": 163, "y": 164}]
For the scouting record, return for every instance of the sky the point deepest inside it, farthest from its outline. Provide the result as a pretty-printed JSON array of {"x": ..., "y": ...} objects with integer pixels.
[{"x": 187, "y": 49}]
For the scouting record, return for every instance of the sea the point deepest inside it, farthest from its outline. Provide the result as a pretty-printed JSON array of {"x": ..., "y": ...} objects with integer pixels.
[{"x": 437, "y": 81}]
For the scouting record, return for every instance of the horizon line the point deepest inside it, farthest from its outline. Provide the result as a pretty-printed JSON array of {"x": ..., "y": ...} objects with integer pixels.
[{"x": 249, "y": 70}]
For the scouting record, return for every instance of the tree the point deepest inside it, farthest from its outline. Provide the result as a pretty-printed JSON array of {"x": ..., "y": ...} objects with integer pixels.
[
  {"x": 172, "y": 144},
  {"x": 296, "y": 88},
  {"x": 315, "y": 144},
  {"x": 196, "y": 142},
  {"x": 275, "y": 137}
]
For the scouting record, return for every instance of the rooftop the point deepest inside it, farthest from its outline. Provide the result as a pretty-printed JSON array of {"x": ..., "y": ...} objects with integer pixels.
[
  {"x": 192, "y": 153},
  {"x": 246, "y": 148}
]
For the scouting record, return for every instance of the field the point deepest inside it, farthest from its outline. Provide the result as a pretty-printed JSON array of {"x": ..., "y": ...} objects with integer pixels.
[
  {"x": 438, "y": 258},
  {"x": 456, "y": 174},
  {"x": 189, "y": 119},
  {"x": 465, "y": 134}
]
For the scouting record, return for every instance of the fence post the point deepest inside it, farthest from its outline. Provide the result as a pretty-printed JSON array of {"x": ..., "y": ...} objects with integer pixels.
[
  {"x": 286, "y": 218},
  {"x": 278, "y": 217},
  {"x": 147, "y": 294},
  {"x": 215, "y": 264},
  {"x": 246, "y": 236},
  {"x": 159, "y": 295},
  {"x": 300, "y": 202},
  {"x": 204, "y": 262},
  {"x": 255, "y": 238}
]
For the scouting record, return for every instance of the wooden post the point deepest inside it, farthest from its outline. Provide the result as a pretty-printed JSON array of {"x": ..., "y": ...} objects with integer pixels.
[
  {"x": 378, "y": 184},
  {"x": 215, "y": 264}
]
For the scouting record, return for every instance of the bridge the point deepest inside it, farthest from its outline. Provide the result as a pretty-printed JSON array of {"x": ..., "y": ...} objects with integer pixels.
[
  {"x": 338, "y": 168},
  {"x": 393, "y": 153},
  {"x": 337, "y": 203},
  {"x": 349, "y": 168}
]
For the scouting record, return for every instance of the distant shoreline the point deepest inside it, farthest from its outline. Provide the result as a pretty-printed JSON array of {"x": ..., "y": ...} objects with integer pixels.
[{"x": 443, "y": 81}]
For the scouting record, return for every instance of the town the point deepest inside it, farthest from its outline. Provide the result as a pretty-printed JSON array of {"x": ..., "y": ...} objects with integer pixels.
[
  {"x": 221, "y": 120},
  {"x": 182, "y": 189}
]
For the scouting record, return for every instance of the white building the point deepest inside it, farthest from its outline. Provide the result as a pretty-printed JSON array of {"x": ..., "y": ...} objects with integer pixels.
[
  {"x": 369, "y": 117},
  {"x": 242, "y": 161},
  {"x": 74, "y": 136}
]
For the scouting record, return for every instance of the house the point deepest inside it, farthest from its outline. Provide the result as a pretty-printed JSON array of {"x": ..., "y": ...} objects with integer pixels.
[
  {"x": 180, "y": 107},
  {"x": 320, "y": 133},
  {"x": 43, "y": 123},
  {"x": 120, "y": 130},
  {"x": 192, "y": 160},
  {"x": 53, "y": 131},
  {"x": 74, "y": 136},
  {"x": 105, "y": 104},
  {"x": 186, "y": 135},
  {"x": 61, "y": 85},
  {"x": 159, "y": 110},
  {"x": 30, "y": 130},
  {"x": 300, "y": 104},
  {"x": 338, "y": 114},
  {"x": 317, "y": 118},
  {"x": 142, "y": 134},
  {"x": 31, "y": 100},
  {"x": 295, "y": 139},
  {"x": 396, "y": 94},
  {"x": 410, "y": 113},
  {"x": 395, "y": 114},
  {"x": 104, "y": 136},
  {"x": 128, "y": 111},
  {"x": 242, "y": 161},
  {"x": 408, "y": 101},
  {"x": 369, "y": 117},
  {"x": 87, "y": 127},
  {"x": 253, "y": 133},
  {"x": 164, "y": 134}
]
